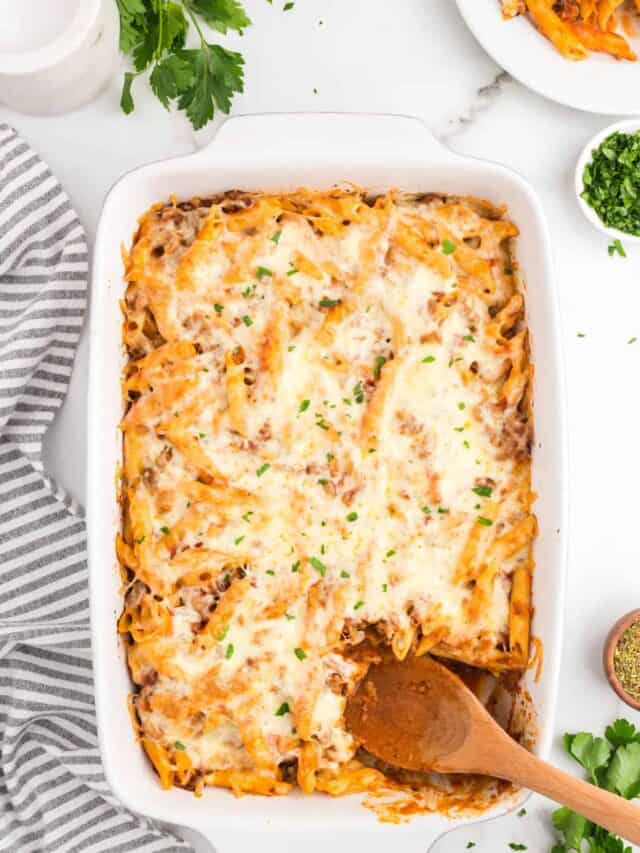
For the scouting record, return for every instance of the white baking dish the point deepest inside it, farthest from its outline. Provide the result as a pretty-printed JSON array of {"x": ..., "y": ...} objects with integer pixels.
[{"x": 269, "y": 152}]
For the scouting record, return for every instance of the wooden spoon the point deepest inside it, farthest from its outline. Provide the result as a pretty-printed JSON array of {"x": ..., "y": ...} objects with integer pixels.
[{"x": 420, "y": 716}]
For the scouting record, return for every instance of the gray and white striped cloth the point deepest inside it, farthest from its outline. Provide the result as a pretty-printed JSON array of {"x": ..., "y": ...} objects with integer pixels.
[{"x": 53, "y": 795}]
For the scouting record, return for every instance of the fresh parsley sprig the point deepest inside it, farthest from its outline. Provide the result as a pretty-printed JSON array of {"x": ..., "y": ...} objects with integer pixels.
[
  {"x": 199, "y": 80},
  {"x": 613, "y": 762}
]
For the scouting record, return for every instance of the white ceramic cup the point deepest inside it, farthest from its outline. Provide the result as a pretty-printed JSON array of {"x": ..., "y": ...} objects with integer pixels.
[
  {"x": 56, "y": 54},
  {"x": 628, "y": 126}
]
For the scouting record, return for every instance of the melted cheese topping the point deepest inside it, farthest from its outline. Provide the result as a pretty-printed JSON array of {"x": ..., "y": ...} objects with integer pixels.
[{"x": 327, "y": 440}]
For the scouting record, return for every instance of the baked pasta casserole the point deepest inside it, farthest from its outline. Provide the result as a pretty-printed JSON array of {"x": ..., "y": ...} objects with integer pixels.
[{"x": 327, "y": 439}]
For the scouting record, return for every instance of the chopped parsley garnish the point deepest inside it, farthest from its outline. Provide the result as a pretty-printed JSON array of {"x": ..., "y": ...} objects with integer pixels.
[
  {"x": 344, "y": 574},
  {"x": 358, "y": 393},
  {"x": 270, "y": 572},
  {"x": 262, "y": 469},
  {"x": 164, "y": 530},
  {"x": 262, "y": 271},
  {"x": 276, "y": 237},
  {"x": 283, "y": 709},
  {"x": 223, "y": 633},
  {"x": 320, "y": 421},
  {"x": 249, "y": 291},
  {"x": 140, "y": 540},
  {"x": 329, "y": 303},
  {"x": 385, "y": 587},
  {"x": 426, "y": 510},
  {"x": 291, "y": 348},
  {"x": 380, "y": 361},
  {"x": 247, "y": 516},
  {"x": 466, "y": 444},
  {"x": 507, "y": 271},
  {"x": 218, "y": 308},
  {"x": 229, "y": 651},
  {"x": 580, "y": 335},
  {"x": 358, "y": 605},
  {"x": 448, "y": 248},
  {"x": 295, "y": 567},
  {"x": 482, "y": 491},
  {"x": 442, "y": 510},
  {"x": 330, "y": 457},
  {"x": 288, "y": 6},
  {"x": 247, "y": 320},
  {"x": 300, "y": 653},
  {"x": 318, "y": 565},
  {"x": 353, "y": 516},
  {"x": 179, "y": 745},
  {"x": 304, "y": 405},
  {"x": 238, "y": 540},
  {"x": 462, "y": 406},
  {"x": 616, "y": 248},
  {"x": 323, "y": 481},
  {"x": 293, "y": 271},
  {"x": 470, "y": 339},
  {"x": 632, "y": 340},
  {"x": 522, "y": 813},
  {"x": 611, "y": 181},
  {"x": 485, "y": 522},
  {"x": 428, "y": 359},
  {"x": 470, "y": 844},
  {"x": 202, "y": 435},
  {"x": 514, "y": 846},
  {"x": 289, "y": 616},
  {"x": 390, "y": 553}
]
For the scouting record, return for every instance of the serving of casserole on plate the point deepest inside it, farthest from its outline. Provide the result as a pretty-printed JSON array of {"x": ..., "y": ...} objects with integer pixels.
[{"x": 327, "y": 440}]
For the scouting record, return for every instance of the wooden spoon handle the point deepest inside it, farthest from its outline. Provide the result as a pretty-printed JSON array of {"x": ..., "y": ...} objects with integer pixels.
[{"x": 612, "y": 812}]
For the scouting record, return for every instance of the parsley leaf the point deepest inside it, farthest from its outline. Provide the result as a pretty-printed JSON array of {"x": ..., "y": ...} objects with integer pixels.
[
  {"x": 380, "y": 361},
  {"x": 126, "y": 100},
  {"x": 622, "y": 732},
  {"x": 616, "y": 248},
  {"x": 448, "y": 248},
  {"x": 573, "y": 826},
  {"x": 592, "y": 752},
  {"x": 222, "y": 15},
  {"x": 483, "y": 491},
  {"x": 283, "y": 709},
  {"x": 217, "y": 74},
  {"x": 318, "y": 565},
  {"x": 623, "y": 774}
]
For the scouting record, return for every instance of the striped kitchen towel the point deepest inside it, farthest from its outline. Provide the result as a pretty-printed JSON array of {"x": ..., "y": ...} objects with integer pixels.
[{"x": 53, "y": 794}]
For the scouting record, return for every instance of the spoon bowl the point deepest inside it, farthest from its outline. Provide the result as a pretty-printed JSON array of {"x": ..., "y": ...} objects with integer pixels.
[{"x": 419, "y": 715}]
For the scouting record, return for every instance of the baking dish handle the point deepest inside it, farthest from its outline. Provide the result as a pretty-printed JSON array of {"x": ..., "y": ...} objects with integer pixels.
[{"x": 326, "y": 133}]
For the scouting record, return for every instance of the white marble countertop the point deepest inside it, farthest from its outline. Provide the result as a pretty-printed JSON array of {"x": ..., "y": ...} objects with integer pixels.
[{"x": 416, "y": 57}]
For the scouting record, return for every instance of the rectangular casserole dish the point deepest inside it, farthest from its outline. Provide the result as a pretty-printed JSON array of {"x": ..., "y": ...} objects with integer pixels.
[{"x": 282, "y": 152}]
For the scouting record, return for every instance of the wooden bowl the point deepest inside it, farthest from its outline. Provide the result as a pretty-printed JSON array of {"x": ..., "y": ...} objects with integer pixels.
[{"x": 607, "y": 658}]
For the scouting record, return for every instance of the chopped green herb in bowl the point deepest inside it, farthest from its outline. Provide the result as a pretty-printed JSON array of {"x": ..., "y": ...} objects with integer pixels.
[{"x": 608, "y": 183}]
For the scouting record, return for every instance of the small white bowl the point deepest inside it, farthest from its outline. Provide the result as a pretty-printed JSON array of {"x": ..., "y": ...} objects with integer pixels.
[{"x": 628, "y": 126}]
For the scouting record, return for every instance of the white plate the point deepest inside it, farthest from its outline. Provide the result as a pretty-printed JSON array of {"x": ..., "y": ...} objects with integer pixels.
[{"x": 598, "y": 84}]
